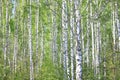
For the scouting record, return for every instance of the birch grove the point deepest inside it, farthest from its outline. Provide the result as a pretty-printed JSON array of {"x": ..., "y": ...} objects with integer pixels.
[{"x": 59, "y": 39}]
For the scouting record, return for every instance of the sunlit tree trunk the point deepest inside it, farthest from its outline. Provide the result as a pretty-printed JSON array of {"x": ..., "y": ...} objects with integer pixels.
[
  {"x": 82, "y": 41},
  {"x": 65, "y": 38},
  {"x": 114, "y": 35},
  {"x": 113, "y": 26},
  {"x": 92, "y": 34},
  {"x": 15, "y": 38},
  {"x": 30, "y": 41},
  {"x": 42, "y": 45},
  {"x": 37, "y": 35},
  {"x": 97, "y": 42},
  {"x": 78, "y": 42},
  {"x": 117, "y": 22},
  {"x": 72, "y": 38},
  {"x": 97, "y": 49},
  {"x": 88, "y": 33},
  {"x": 118, "y": 38}
]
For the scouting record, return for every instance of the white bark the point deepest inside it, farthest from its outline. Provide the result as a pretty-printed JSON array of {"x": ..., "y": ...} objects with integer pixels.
[
  {"x": 71, "y": 39},
  {"x": 88, "y": 38},
  {"x": 92, "y": 31},
  {"x": 42, "y": 45},
  {"x": 65, "y": 40},
  {"x": 82, "y": 41},
  {"x": 15, "y": 39},
  {"x": 37, "y": 36},
  {"x": 114, "y": 32},
  {"x": 78, "y": 41},
  {"x": 113, "y": 26},
  {"x": 97, "y": 49},
  {"x": 117, "y": 22},
  {"x": 97, "y": 43},
  {"x": 30, "y": 42}
]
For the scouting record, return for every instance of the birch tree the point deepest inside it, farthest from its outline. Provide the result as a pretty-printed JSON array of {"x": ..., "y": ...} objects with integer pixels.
[
  {"x": 65, "y": 39},
  {"x": 92, "y": 34},
  {"x": 42, "y": 45},
  {"x": 78, "y": 42},
  {"x": 30, "y": 40},
  {"x": 37, "y": 34},
  {"x": 72, "y": 38},
  {"x": 113, "y": 31},
  {"x": 15, "y": 39},
  {"x": 88, "y": 32},
  {"x": 113, "y": 26}
]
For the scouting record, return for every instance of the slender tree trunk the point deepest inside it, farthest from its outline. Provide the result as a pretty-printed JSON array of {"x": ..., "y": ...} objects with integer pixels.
[
  {"x": 54, "y": 44},
  {"x": 82, "y": 41},
  {"x": 116, "y": 25},
  {"x": 113, "y": 26},
  {"x": 114, "y": 34},
  {"x": 98, "y": 50},
  {"x": 30, "y": 41},
  {"x": 42, "y": 45},
  {"x": 92, "y": 31},
  {"x": 72, "y": 38},
  {"x": 65, "y": 38},
  {"x": 117, "y": 33},
  {"x": 78, "y": 41},
  {"x": 37, "y": 34},
  {"x": 97, "y": 43},
  {"x": 88, "y": 32},
  {"x": 15, "y": 38}
]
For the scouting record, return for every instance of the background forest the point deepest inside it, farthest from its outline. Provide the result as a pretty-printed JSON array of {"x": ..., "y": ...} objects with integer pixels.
[{"x": 59, "y": 39}]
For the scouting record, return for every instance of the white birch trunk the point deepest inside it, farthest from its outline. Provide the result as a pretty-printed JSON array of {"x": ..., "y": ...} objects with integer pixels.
[
  {"x": 113, "y": 27},
  {"x": 114, "y": 33},
  {"x": 82, "y": 41},
  {"x": 92, "y": 31},
  {"x": 37, "y": 36},
  {"x": 88, "y": 32},
  {"x": 15, "y": 39},
  {"x": 78, "y": 41},
  {"x": 65, "y": 40},
  {"x": 97, "y": 49},
  {"x": 117, "y": 23},
  {"x": 30, "y": 42},
  {"x": 97, "y": 43},
  {"x": 42, "y": 46},
  {"x": 71, "y": 39}
]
